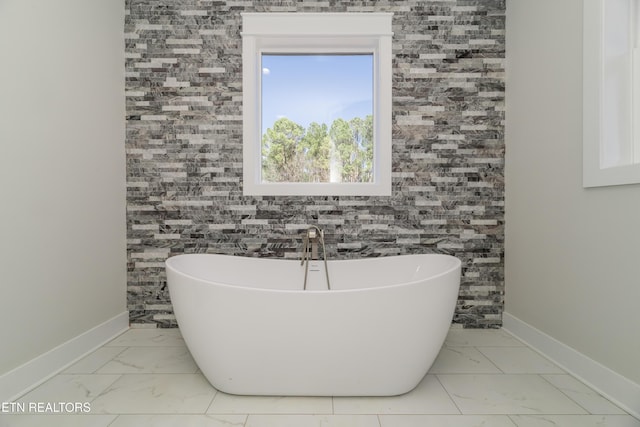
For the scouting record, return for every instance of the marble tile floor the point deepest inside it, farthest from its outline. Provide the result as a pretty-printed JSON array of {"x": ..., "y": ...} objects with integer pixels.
[{"x": 146, "y": 377}]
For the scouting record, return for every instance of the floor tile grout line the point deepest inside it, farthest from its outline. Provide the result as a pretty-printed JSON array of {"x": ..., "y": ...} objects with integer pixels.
[
  {"x": 213, "y": 398},
  {"x": 510, "y": 417},
  {"x": 595, "y": 392},
  {"x": 489, "y": 359},
  {"x": 95, "y": 371},
  {"x": 107, "y": 387},
  {"x": 114, "y": 420},
  {"x": 118, "y": 377},
  {"x": 564, "y": 372},
  {"x": 449, "y": 395},
  {"x": 113, "y": 359},
  {"x": 569, "y": 397}
]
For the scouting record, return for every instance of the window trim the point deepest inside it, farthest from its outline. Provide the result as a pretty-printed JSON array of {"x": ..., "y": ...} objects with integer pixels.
[
  {"x": 594, "y": 174},
  {"x": 316, "y": 33}
]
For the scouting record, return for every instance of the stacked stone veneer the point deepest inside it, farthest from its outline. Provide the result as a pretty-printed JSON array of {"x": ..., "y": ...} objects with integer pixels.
[{"x": 184, "y": 148}]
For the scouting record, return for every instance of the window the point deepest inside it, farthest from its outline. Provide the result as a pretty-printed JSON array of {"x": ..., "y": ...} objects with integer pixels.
[
  {"x": 317, "y": 103},
  {"x": 317, "y": 118},
  {"x": 611, "y": 117}
]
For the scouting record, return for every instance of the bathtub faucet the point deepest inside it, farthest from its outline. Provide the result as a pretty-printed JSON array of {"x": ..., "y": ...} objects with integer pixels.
[{"x": 312, "y": 237}]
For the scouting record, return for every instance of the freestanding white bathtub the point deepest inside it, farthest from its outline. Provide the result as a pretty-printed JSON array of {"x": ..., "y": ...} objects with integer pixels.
[{"x": 252, "y": 330}]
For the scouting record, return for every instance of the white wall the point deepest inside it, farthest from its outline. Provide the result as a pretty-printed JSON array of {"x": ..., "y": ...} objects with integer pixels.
[
  {"x": 62, "y": 172},
  {"x": 572, "y": 254}
]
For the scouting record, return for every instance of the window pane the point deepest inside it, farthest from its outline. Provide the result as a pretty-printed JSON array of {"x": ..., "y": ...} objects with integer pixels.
[{"x": 317, "y": 118}]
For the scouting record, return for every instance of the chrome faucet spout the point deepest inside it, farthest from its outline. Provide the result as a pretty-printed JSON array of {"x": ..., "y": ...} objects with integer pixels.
[{"x": 313, "y": 236}]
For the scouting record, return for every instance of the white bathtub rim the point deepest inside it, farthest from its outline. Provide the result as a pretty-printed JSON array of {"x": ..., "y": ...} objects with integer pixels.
[{"x": 457, "y": 264}]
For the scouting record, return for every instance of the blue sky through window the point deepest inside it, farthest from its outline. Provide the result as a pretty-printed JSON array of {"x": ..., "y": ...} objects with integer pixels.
[{"x": 316, "y": 88}]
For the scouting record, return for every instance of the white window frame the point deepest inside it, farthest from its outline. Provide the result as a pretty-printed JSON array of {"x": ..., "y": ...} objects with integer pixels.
[
  {"x": 604, "y": 129},
  {"x": 316, "y": 33}
]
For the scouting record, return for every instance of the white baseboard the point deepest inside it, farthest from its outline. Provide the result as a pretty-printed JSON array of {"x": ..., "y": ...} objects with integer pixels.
[
  {"x": 618, "y": 389},
  {"x": 18, "y": 381}
]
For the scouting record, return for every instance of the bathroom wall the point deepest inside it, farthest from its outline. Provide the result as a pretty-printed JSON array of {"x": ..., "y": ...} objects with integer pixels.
[
  {"x": 571, "y": 253},
  {"x": 62, "y": 173},
  {"x": 184, "y": 148}
]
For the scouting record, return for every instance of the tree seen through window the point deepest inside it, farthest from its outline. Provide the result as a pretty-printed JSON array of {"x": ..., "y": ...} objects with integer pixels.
[
  {"x": 317, "y": 121},
  {"x": 340, "y": 153}
]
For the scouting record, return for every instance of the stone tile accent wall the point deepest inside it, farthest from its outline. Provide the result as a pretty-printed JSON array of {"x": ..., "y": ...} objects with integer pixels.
[{"x": 184, "y": 148}]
